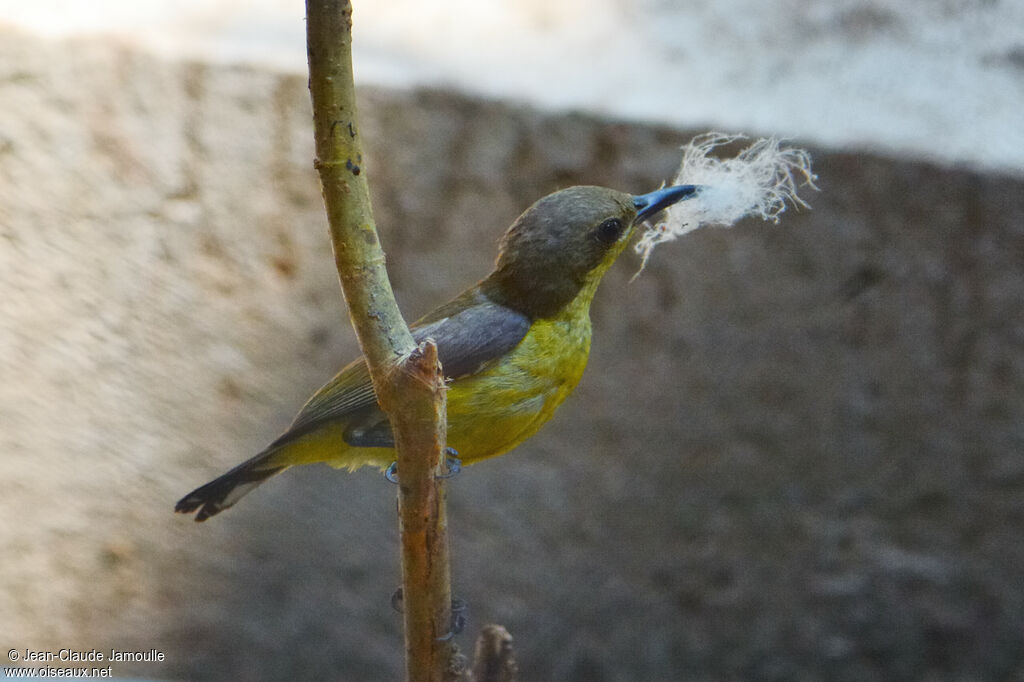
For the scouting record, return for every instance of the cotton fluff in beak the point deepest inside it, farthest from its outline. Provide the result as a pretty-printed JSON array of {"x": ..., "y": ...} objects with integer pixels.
[{"x": 760, "y": 181}]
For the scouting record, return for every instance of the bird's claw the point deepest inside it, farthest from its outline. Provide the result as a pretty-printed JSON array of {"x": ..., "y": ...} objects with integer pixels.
[
  {"x": 452, "y": 463},
  {"x": 459, "y": 608}
]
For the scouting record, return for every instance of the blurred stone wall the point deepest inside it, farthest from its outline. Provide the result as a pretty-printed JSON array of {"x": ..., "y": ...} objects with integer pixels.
[{"x": 796, "y": 454}]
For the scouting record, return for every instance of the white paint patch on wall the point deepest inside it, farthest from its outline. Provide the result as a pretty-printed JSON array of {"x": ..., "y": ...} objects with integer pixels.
[{"x": 935, "y": 79}]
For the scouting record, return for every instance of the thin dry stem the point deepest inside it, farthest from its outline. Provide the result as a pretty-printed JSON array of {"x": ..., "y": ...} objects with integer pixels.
[{"x": 406, "y": 378}]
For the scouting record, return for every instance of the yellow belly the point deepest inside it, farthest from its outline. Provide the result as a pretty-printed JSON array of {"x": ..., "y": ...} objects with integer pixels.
[
  {"x": 494, "y": 411},
  {"x": 490, "y": 412}
]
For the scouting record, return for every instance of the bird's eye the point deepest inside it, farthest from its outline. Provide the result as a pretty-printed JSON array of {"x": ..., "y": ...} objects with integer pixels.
[{"x": 609, "y": 231}]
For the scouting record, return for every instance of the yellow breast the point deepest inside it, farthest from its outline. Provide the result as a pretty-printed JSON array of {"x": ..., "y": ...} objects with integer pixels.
[{"x": 497, "y": 409}]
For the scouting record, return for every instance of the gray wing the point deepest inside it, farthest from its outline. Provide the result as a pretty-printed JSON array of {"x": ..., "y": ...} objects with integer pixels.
[
  {"x": 471, "y": 332},
  {"x": 472, "y": 338}
]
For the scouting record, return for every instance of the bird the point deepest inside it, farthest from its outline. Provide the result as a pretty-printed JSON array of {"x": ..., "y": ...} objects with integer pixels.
[{"x": 512, "y": 347}]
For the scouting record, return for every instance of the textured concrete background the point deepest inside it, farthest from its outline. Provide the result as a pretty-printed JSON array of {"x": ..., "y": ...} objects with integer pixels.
[{"x": 796, "y": 454}]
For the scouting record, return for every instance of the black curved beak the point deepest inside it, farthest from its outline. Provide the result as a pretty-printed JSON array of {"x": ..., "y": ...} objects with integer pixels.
[{"x": 649, "y": 204}]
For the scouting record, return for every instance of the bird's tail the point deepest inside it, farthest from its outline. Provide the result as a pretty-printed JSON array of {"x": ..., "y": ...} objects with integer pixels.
[{"x": 225, "y": 490}]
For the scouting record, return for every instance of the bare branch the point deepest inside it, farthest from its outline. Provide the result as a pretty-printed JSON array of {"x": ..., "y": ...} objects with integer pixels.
[{"x": 407, "y": 379}]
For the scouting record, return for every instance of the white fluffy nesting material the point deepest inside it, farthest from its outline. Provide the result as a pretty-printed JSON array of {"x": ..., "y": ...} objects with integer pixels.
[{"x": 760, "y": 181}]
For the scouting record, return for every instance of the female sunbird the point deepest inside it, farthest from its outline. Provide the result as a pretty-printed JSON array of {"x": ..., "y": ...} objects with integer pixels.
[{"x": 512, "y": 347}]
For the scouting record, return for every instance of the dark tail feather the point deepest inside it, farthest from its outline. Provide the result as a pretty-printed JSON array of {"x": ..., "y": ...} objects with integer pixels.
[{"x": 224, "y": 491}]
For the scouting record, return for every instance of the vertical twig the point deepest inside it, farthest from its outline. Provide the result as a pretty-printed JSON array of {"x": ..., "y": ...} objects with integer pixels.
[
  {"x": 422, "y": 504},
  {"x": 406, "y": 378}
]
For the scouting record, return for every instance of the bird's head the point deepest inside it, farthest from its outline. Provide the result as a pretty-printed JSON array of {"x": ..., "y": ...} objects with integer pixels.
[{"x": 564, "y": 243}]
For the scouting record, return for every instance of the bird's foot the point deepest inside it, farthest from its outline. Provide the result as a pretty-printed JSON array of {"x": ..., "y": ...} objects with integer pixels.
[
  {"x": 452, "y": 463},
  {"x": 459, "y": 609}
]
